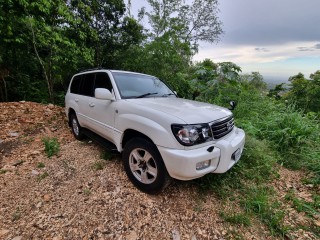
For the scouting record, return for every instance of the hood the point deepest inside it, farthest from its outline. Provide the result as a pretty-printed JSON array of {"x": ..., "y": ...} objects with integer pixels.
[{"x": 191, "y": 112}]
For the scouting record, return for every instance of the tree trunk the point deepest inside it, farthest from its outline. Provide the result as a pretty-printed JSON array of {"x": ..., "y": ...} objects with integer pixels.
[
  {"x": 5, "y": 89},
  {"x": 49, "y": 84}
]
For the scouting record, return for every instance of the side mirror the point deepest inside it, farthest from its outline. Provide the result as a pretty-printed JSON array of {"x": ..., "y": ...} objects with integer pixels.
[
  {"x": 175, "y": 92},
  {"x": 103, "y": 94},
  {"x": 233, "y": 105}
]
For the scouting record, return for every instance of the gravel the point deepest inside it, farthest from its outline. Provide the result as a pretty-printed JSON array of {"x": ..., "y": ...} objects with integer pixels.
[{"x": 68, "y": 198}]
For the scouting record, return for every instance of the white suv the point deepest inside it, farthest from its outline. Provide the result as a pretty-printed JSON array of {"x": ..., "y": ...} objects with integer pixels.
[{"x": 159, "y": 135}]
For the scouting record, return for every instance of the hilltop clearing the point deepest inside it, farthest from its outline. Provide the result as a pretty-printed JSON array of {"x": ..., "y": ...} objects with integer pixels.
[{"x": 82, "y": 192}]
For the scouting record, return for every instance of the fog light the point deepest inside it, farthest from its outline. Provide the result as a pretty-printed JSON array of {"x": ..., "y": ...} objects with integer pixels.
[{"x": 203, "y": 165}]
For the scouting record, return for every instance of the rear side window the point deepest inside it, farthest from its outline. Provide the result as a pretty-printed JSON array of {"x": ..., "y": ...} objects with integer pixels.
[
  {"x": 85, "y": 84},
  {"x": 75, "y": 85},
  {"x": 86, "y": 87}
]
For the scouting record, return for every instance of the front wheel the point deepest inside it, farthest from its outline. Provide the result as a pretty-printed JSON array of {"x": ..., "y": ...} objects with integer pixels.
[{"x": 144, "y": 166}]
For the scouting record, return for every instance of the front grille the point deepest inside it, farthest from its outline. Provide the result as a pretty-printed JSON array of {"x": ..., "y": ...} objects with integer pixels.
[{"x": 222, "y": 127}]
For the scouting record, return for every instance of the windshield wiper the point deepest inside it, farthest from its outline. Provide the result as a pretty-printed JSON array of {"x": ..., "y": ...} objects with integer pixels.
[{"x": 146, "y": 94}]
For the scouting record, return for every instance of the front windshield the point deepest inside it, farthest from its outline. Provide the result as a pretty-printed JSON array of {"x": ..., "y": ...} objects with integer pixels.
[{"x": 131, "y": 85}]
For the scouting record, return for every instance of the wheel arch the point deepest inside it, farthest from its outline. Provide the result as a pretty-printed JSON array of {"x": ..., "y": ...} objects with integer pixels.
[
  {"x": 130, "y": 134},
  {"x": 70, "y": 111}
]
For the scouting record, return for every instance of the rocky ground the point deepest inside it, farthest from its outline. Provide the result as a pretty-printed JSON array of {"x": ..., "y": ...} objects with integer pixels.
[{"x": 77, "y": 194}]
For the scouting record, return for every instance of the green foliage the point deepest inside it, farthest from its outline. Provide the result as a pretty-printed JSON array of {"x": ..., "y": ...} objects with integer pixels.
[
  {"x": 275, "y": 92},
  {"x": 215, "y": 83},
  {"x": 44, "y": 43},
  {"x": 236, "y": 218},
  {"x": 51, "y": 146},
  {"x": 257, "y": 201},
  {"x": 276, "y": 132},
  {"x": 305, "y": 93},
  {"x": 98, "y": 166},
  {"x": 311, "y": 208},
  {"x": 106, "y": 155},
  {"x": 86, "y": 191},
  {"x": 40, "y": 165},
  {"x": 255, "y": 79},
  {"x": 43, "y": 176},
  {"x": 190, "y": 22},
  {"x": 16, "y": 215},
  {"x": 257, "y": 165}
]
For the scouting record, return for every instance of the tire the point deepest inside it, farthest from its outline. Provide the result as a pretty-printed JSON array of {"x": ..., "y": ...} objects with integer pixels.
[
  {"x": 75, "y": 127},
  {"x": 144, "y": 166}
]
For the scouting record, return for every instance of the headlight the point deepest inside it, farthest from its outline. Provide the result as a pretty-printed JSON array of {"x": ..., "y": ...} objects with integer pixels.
[{"x": 191, "y": 134}]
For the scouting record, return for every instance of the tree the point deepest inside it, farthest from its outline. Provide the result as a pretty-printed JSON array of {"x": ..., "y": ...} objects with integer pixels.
[
  {"x": 43, "y": 43},
  {"x": 305, "y": 93},
  {"x": 105, "y": 28},
  {"x": 255, "y": 80},
  {"x": 192, "y": 22},
  {"x": 215, "y": 82},
  {"x": 37, "y": 46}
]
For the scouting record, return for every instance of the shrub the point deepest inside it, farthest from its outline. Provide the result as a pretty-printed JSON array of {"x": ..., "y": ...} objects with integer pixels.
[{"x": 51, "y": 146}]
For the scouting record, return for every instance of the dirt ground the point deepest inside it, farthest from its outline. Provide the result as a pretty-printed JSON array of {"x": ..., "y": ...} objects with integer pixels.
[{"x": 79, "y": 195}]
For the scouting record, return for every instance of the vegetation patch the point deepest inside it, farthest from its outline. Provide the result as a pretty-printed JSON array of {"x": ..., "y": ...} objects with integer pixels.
[
  {"x": 51, "y": 146},
  {"x": 40, "y": 165},
  {"x": 236, "y": 218},
  {"x": 98, "y": 165},
  {"x": 106, "y": 155},
  {"x": 43, "y": 176}
]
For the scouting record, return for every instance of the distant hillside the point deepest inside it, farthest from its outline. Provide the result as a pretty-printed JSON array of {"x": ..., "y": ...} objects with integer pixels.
[{"x": 273, "y": 81}]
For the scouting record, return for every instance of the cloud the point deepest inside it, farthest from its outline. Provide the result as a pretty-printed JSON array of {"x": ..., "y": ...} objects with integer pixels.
[
  {"x": 305, "y": 49},
  {"x": 248, "y": 54},
  {"x": 251, "y": 22},
  {"x": 309, "y": 49},
  {"x": 261, "y": 49}
]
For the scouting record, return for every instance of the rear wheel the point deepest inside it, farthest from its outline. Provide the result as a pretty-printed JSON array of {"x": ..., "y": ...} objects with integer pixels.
[
  {"x": 144, "y": 166},
  {"x": 76, "y": 128}
]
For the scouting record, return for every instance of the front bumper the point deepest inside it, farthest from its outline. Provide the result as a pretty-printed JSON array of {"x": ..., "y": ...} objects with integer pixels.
[{"x": 181, "y": 164}]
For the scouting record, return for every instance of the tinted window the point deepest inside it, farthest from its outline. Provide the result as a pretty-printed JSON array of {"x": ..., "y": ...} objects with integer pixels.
[
  {"x": 102, "y": 81},
  {"x": 75, "y": 85},
  {"x": 87, "y": 85}
]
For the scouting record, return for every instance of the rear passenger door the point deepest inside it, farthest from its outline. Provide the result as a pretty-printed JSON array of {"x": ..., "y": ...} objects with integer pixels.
[{"x": 84, "y": 99}]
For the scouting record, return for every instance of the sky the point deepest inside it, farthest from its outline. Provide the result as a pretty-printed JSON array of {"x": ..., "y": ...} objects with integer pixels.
[{"x": 278, "y": 38}]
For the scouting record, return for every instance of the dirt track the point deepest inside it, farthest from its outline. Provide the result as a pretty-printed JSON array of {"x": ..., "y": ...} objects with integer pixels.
[{"x": 79, "y": 195}]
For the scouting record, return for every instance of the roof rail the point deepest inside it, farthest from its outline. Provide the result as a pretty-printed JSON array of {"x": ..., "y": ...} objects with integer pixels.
[{"x": 92, "y": 69}]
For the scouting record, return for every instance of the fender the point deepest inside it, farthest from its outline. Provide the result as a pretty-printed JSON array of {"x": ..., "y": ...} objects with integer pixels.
[{"x": 160, "y": 135}]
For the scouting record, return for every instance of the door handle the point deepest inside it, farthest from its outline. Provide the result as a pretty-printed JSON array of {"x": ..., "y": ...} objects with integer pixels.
[
  {"x": 91, "y": 104},
  {"x": 76, "y": 100}
]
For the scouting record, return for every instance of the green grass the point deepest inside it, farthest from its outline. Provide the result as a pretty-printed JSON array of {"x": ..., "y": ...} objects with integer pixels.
[
  {"x": 106, "y": 155},
  {"x": 43, "y": 176},
  {"x": 310, "y": 208},
  {"x": 86, "y": 191},
  {"x": 98, "y": 166},
  {"x": 16, "y": 215},
  {"x": 259, "y": 201},
  {"x": 40, "y": 165},
  {"x": 2, "y": 171},
  {"x": 276, "y": 134},
  {"x": 236, "y": 218},
  {"x": 51, "y": 146},
  {"x": 247, "y": 185},
  {"x": 295, "y": 136}
]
